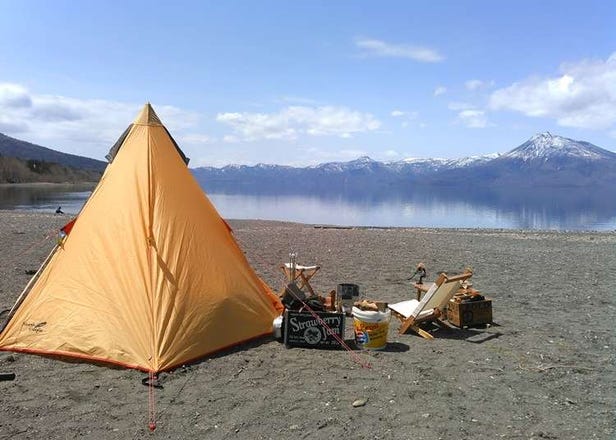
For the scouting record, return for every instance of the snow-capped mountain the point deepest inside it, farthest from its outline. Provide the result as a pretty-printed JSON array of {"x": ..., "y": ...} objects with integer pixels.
[
  {"x": 544, "y": 160},
  {"x": 364, "y": 163},
  {"x": 437, "y": 164},
  {"x": 546, "y": 146}
]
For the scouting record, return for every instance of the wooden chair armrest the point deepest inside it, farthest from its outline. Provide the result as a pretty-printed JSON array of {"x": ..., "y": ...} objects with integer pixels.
[{"x": 461, "y": 277}]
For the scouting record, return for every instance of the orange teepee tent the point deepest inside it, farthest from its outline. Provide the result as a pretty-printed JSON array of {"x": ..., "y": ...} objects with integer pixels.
[{"x": 150, "y": 276}]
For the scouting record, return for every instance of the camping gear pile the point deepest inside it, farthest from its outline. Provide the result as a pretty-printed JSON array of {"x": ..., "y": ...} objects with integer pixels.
[
  {"x": 450, "y": 300},
  {"x": 309, "y": 320},
  {"x": 298, "y": 294}
]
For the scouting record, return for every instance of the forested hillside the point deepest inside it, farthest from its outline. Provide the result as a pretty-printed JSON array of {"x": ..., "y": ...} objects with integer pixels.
[{"x": 14, "y": 170}]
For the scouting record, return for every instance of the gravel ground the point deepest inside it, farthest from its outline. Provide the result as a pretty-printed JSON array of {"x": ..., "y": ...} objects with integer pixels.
[{"x": 546, "y": 370}]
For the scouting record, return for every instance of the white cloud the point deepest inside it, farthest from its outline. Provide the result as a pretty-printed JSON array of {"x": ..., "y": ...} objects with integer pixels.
[
  {"x": 293, "y": 121},
  {"x": 405, "y": 116},
  {"x": 473, "y": 84},
  {"x": 196, "y": 138},
  {"x": 477, "y": 84},
  {"x": 469, "y": 115},
  {"x": 14, "y": 96},
  {"x": 457, "y": 106},
  {"x": 86, "y": 127},
  {"x": 230, "y": 139},
  {"x": 583, "y": 95},
  {"x": 473, "y": 118},
  {"x": 440, "y": 90},
  {"x": 371, "y": 47}
]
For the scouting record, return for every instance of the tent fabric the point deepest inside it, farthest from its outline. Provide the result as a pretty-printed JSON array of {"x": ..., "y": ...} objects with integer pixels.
[
  {"x": 146, "y": 117},
  {"x": 150, "y": 276}
]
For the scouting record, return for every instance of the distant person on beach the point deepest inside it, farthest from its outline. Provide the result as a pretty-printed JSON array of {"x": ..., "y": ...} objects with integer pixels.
[{"x": 59, "y": 210}]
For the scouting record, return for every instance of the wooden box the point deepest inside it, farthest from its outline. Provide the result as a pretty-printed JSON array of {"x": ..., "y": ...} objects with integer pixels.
[{"x": 470, "y": 313}]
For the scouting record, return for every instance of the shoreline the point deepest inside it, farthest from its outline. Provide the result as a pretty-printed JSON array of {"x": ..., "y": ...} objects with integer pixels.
[
  {"x": 47, "y": 184},
  {"x": 325, "y": 227}
]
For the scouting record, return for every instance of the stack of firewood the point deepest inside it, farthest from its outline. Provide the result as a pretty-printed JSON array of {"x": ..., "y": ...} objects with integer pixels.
[{"x": 373, "y": 306}]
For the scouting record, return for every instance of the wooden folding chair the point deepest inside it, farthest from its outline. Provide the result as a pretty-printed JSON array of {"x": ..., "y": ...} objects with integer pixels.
[
  {"x": 301, "y": 275},
  {"x": 412, "y": 313}
]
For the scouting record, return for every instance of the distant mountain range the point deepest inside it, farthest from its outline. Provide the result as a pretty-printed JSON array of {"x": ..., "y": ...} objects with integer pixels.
[{"x": 545, "y": 160}]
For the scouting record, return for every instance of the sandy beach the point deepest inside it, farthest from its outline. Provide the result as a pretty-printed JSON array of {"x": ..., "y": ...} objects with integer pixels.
[{"x": 546, "y": 370}]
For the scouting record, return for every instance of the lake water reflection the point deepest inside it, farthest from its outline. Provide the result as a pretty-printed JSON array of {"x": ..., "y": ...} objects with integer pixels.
[
  {"x": 564, "y": 211},
  {"x": 43, "y": 197},
  {"x": 428, "y": 207}
]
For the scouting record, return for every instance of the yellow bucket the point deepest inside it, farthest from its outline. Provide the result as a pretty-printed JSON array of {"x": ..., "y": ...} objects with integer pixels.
[{"x": 371, "y": 328}]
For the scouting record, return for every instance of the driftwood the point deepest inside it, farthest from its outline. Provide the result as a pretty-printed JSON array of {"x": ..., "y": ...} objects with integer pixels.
[{"x": 542, "y": 369}]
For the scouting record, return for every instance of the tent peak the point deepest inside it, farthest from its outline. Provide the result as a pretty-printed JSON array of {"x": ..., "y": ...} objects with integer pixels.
[{"x": 147, "y": 116}]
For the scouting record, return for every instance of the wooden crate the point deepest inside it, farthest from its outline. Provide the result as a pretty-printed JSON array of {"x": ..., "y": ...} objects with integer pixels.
[
  {"x": 468, "y": 314},
  {"x": 302, "y": 329}
]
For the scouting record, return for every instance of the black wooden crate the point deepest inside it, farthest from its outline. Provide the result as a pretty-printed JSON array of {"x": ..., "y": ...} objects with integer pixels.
[{"x": 302, "y": 329}]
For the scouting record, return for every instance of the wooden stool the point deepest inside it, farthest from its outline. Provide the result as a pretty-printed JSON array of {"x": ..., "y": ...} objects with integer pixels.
[{"x": 300, "y": 274}]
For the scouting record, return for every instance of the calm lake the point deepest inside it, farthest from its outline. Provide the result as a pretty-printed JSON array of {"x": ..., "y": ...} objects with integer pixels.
[{"x": 554, "y": 210}]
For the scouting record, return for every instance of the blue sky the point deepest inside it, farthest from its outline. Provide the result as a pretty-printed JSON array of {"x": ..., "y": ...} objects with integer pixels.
[{"x": 305, "y": 82}]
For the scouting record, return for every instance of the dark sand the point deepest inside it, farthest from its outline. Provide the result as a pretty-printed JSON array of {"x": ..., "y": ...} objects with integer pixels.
[{"x": 547, "y": 371}]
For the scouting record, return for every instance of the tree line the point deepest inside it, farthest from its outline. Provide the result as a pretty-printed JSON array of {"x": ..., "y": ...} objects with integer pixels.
[{"x": 14, "y": 170}]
